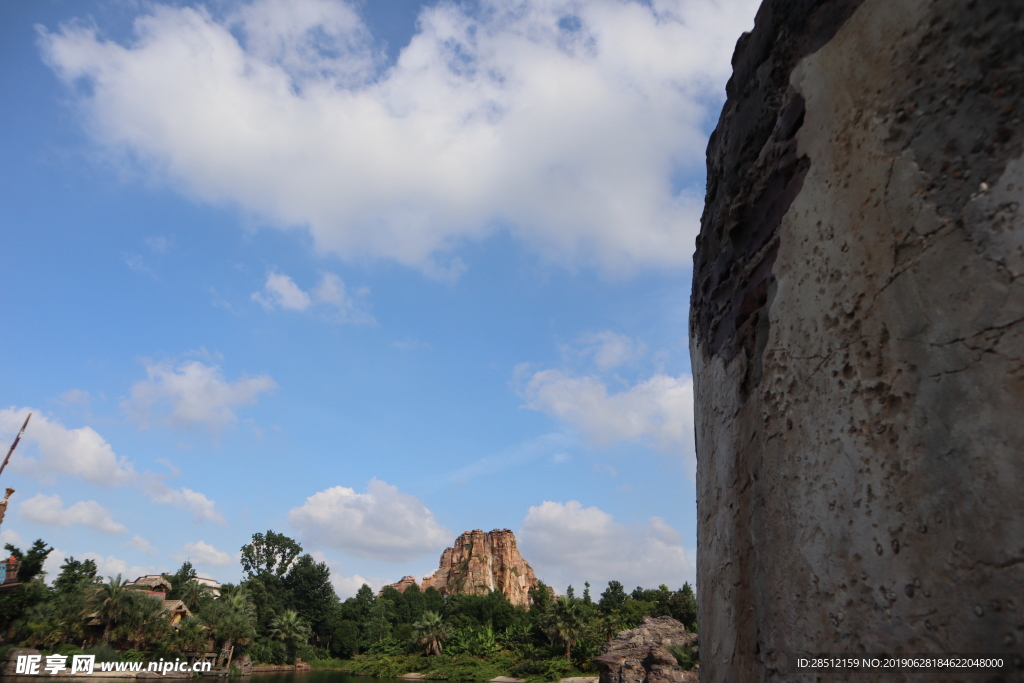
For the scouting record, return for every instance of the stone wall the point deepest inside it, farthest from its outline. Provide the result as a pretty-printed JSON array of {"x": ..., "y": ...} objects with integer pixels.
[{"x": 857, "y": 339}]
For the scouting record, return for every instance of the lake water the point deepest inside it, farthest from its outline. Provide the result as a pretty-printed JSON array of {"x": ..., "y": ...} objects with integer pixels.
[{"x": 315, "y": 677}]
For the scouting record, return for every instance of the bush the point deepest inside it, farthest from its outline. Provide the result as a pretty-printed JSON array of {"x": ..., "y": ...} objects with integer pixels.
[
  {"x": 543, "y": 670},
  {"x": 330, "y": 663},
  {"x": 379, "y": 666},
  {"x": 686, "y": 656},
  {"x": 463, "y": 667},
  {"x": 266, "y": 651},
  {"x": 104, "y": 653}
]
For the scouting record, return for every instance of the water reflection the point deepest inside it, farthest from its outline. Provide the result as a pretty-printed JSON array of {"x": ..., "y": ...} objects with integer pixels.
[{"x": 315, "y": 677}]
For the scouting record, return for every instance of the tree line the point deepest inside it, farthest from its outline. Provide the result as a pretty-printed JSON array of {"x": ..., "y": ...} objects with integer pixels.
[{"x": 285, "y": 607}]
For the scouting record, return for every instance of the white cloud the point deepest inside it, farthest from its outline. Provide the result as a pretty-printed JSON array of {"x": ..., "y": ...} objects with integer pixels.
[
  {"x": 78, "y": 397},
  {"x": 607, "y": 349},
  {"x": 381, "y": 523},
  {"x": 572, "y": 544},
  {"x": 52, "y": 563},
  {"x": 280, "y": 291},
  {"x": 81, "y": 452},
  {"x": 10, "y": 536},
  {"x": 564, "y": 121},
  {"x": 347, "y": 586},
  {"x": 192, "y": 394},
  {"x": 203, "y": 553},
  {"x": 49, "y": 510},
  {"x": 184, "y": 498},
  {"x": 110, "y": 566},
  {"x": 657, "y": 412},
  {"x": 140, "y": 544}
]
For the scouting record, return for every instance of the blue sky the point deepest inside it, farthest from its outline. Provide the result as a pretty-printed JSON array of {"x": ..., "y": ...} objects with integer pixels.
[{"x": 369, "y": 274}]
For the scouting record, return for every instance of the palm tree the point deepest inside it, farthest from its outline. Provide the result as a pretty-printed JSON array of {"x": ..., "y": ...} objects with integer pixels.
[
  {"x": 564, "y": 623},
  {"x": 192, "y": 636},
  {"x": 143, "y": 621},
  {"x": 232, "y": 618},
  {"x": 193, "y": 593},
  {"x": 110, "y": 601},
  {"x": 290, "y": 629},
  {"x": 432, "y": 632}
]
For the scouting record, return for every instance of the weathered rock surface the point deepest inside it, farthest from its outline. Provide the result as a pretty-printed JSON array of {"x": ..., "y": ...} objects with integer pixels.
[
  {"x": 479, "y": 563},
  {"x": 857, "y": 339},
  {"x": 402, "y": 584},
  {"x": 639, "y": 655}
]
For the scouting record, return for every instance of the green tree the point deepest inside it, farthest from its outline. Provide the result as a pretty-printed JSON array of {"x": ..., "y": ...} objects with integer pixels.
[
  {"x": 431, "y": 632},
  {"x": 271, "y": 554},
  {"x": 142, "y": 620},
  {"x": 380, "y": 621},
  {"x": 190, "y": 636},
  {"x": 231, "y": 618},
  {"x": 310, "y": 592},
  {"x": 586, "y": 593},
  {"x": 194, "y": 594},
  {"x": 75, "y": 576},
  {"x": 683, "y": 607},
  {"x": 613, "y": 597},
  {"x": 110, "y": 601},
  {"x": 31, "y": 561},
  {"x": 564, "y": 623},
  {"x": 290, "y": 629},
  {"x": 186, "y": 572}
]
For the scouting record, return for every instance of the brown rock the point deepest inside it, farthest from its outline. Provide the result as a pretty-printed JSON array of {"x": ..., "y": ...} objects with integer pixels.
[
  {"x": 640, "y": 655},
  {"x": 481, "y": 562},
  {"x": 856, "y": 333},
  {"x": 404, "y": 583}
]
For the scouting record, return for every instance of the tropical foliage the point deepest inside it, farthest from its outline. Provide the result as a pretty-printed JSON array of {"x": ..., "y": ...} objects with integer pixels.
[{"x": 286, "y": 607}]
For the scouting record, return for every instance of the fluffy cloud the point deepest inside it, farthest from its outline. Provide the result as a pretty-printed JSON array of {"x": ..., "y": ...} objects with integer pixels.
[
  {"x": 564, "y": 121},
  {"x": 80, "y": 453},
  {"x": 381, "y": 523},
  {"x": 657, "y": 411},
  {"x": 607, "y": 350},
  {"x": 192, "y": 394},
  {"x": 49, "y": 510},
  {"x": 83, "y": 454},
  {"x": 280, "y": 291},
  {"x": 572, "y": 544},
  {"x": 184, "y": 498},
  {"x": 203, "y": 553},
  {"x": 140, "y": 544}
]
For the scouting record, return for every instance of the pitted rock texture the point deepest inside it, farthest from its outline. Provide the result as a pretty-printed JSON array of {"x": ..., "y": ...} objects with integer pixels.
[
  {"x": 639, "y": 655},
  {"x": 482, "y": 562},
  {"x": 857, "y": 340}
]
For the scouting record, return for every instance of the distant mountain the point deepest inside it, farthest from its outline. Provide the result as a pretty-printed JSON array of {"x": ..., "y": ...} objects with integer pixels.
[{"x": 479, "y": 563}]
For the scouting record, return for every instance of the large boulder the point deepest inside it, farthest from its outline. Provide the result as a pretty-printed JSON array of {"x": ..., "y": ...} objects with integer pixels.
[{"x": 640, "y": 655}]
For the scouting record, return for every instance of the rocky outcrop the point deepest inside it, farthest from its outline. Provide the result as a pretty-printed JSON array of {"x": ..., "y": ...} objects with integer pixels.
[
  {"x": 404, "y": 583},
  {"x": 479, "y": 563},
  {"x": 640, "y": 655},
  {"x": 856, "y": 336}
]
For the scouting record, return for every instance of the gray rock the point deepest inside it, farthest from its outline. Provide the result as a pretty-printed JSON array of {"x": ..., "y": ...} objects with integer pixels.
[
  {"x": 857, "y": 338},
  {"x": 640, "y": 655}
]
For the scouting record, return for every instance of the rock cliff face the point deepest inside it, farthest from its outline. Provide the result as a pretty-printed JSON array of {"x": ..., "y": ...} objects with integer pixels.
[
  {"x": 639, "y": 655},
  {"x": 857, "y": 333},
  {"x": 479, "y": 563}
]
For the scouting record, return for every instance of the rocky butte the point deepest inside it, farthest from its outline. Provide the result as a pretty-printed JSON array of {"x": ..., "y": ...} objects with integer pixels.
[
  {"x": 479, "y": 563},
  {"x": 857, "y": 341}
]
